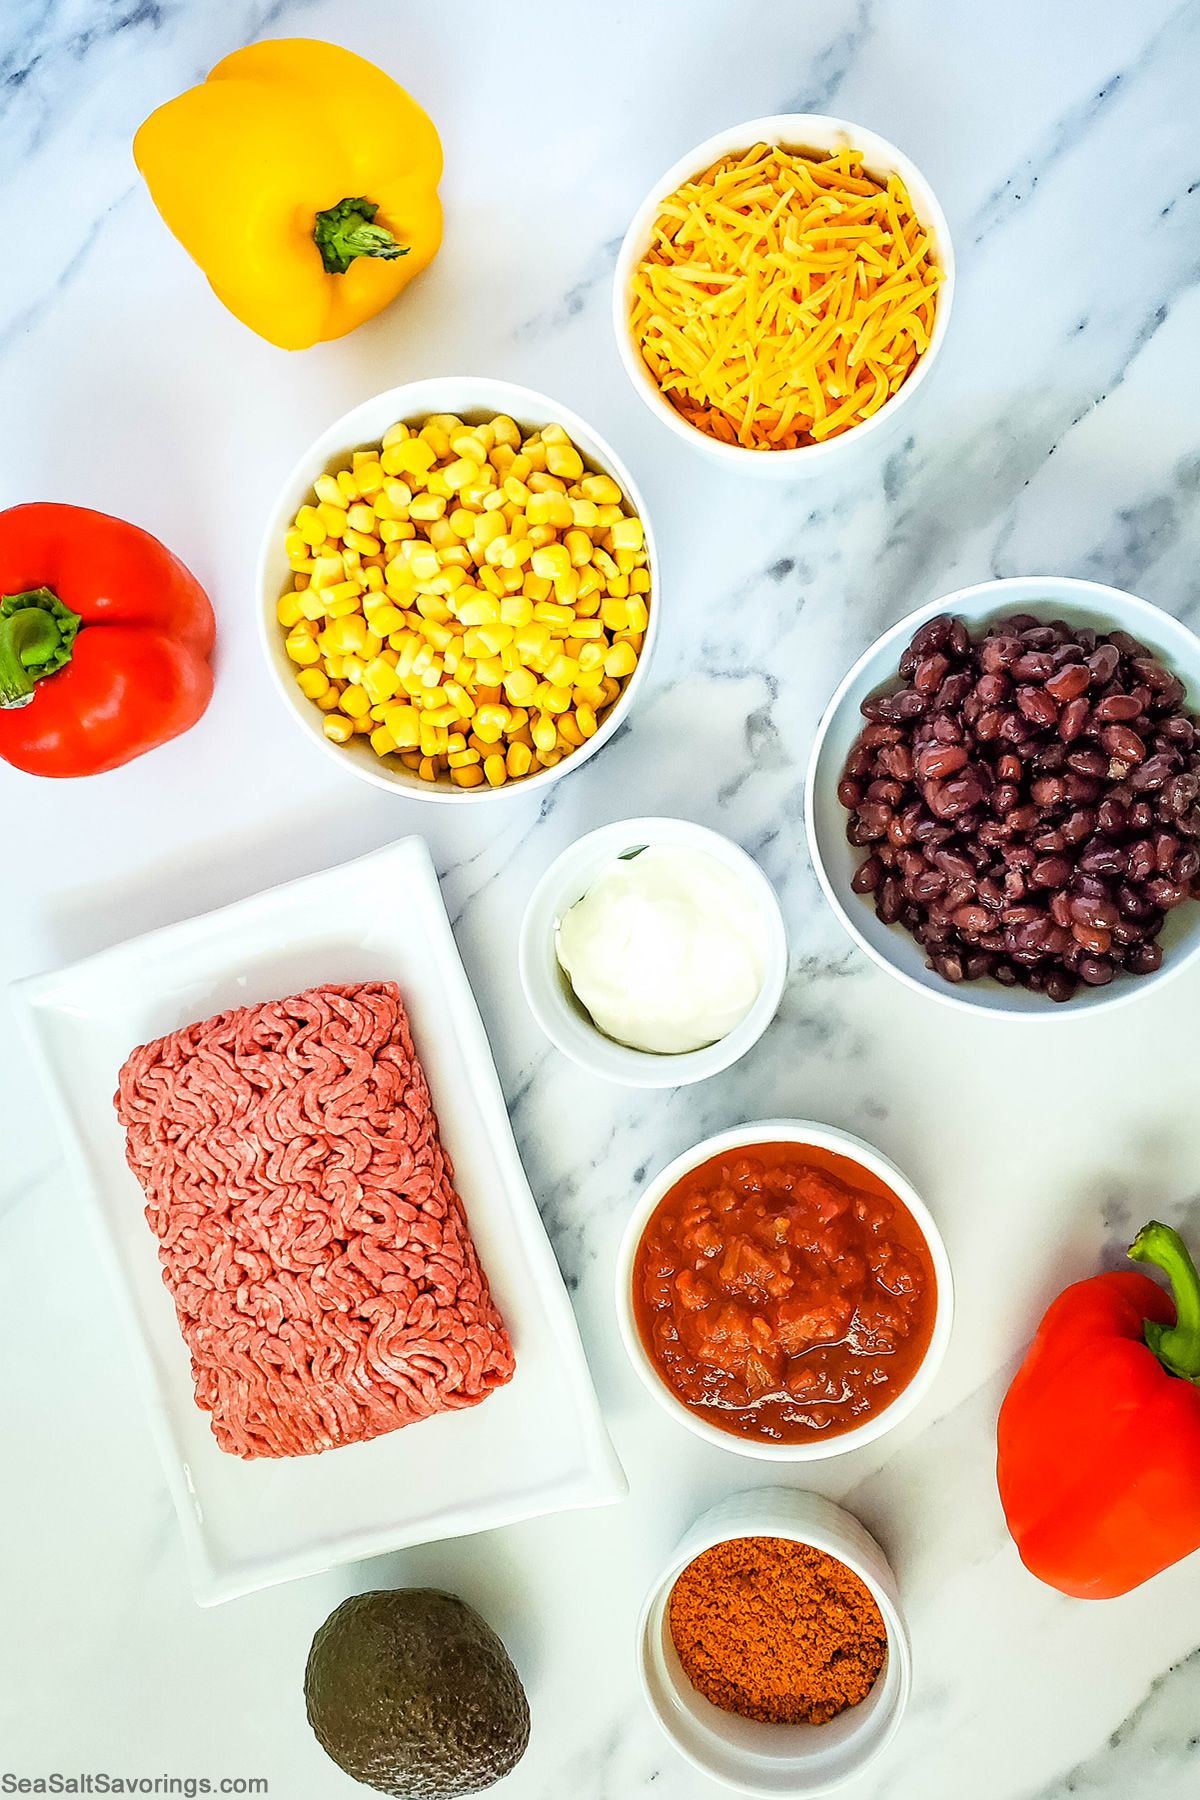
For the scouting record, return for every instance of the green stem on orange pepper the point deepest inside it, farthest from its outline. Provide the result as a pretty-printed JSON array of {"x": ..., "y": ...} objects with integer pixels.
[
  {"x": 36, "y": 634},
  {"x": 1177, "y": 1346}
]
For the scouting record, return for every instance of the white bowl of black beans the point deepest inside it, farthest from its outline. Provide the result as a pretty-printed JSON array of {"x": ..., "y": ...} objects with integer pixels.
[{"x": 1003, "y": 799}]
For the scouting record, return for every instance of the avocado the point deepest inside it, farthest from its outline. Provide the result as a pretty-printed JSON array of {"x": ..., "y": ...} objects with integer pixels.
[{"x": 411, "y": 1692}]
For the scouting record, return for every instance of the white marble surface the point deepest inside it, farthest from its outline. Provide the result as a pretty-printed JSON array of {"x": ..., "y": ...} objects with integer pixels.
[{"x": 1059, "y": 435}]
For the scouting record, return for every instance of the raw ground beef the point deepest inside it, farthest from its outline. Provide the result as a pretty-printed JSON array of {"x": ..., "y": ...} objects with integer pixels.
[{"x": 321, "y": 1267}]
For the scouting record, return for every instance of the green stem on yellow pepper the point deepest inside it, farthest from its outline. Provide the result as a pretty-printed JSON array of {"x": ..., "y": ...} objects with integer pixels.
[
  {"x": 345, "y": 231},
  {"x": 1177, "y": 1346},
  {"x": 36, "y": 634}
]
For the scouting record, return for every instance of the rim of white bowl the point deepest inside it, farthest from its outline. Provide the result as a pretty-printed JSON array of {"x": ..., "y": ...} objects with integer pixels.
[
  {"x": 804, "y": 1518},
  {"x": 547, "y": 988},
  {"x": 803, "y": 131},
  {"x": 1143, "y": 618},
  {"x": 461, "y": 394},
  {"x": 820, "y": 1137}
]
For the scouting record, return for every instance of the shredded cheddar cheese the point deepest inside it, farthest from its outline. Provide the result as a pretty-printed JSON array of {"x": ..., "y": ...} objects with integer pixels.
[{"x": 784, "y": 298}]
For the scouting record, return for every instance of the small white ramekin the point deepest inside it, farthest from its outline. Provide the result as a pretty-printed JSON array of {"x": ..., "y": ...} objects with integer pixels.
[
  {"x": 1079, "y": 603},
  {"x": 548, "y": 990},
  {"x": 792, "y": 131},
  {"x": 821, "y": 1137},
  {"x": 751, "y": 1755},
  {"x": 473, "y": 398}
]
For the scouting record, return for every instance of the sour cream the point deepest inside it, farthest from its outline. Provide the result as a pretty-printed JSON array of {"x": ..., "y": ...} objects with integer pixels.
[{"x": 666, "y": 950}]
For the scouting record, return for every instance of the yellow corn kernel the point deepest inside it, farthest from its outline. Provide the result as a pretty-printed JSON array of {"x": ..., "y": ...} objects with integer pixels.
[
  {"x": 361, "y": 518},
  {"x": 566, "y": 587},
  {"x": 395, "y": 434},
  {"x": 467, "y": 777},
  {"x": 489, "y": 579},
  {"x": 358, "y": 540},
  {"x": 352, "y": 668},
  {"x": 621, "y": 660},
  {"x": 312, "y": 683},
  {"x": 505, "y": 431},
  {"x": 383, "y": 615},
  {"x": 584, "y": 514},
  {"x": 356, "y": 702},
  {"x": 618, "y": 586},
  {"x": 533, "y": 641},
  {"x": 348, "y": 486},
  {"x": 491, "y": 526},
  {"x": 569, "y": 732},
  {"x": 536, "y": 587},
  {"x": 563, "y": 672},
  {"x": 379, "y": 680},
  {"x": 495, "y": 637},
  {"x": 601, "y": 489},
  {"x": 412, "y": 456},
  {"x": 548, "y": 612},
  {"x": 421, "y": 559},
  {"x": 288, "y": 610},
  {"x": 310, "y": 525},
  {"x": 382, "y": 741},
  {"x": 639, "y": 617},
  {"x": 518, "y": 760},
  {"x": 329, "y": 699},
  {"x": 564, "y": 461},
  {"x": 591, "y": 658},
  {"x": 516, "y": 555},
  {"x": 541, "y": 535},
  {"x": 481, "y": 609},
  {"x": 489, "y": 671},
  {"x": 585, "y": 718},
  {"x": 516, "y": 610},
  {"x": 404, "y": 723},
  {"x": 579, "y": 547},
  {"x": 327, "y": 489},
  {"x": 495, "y": 769},
  {"x": 614, "y": 614},
  {"x": 462, "y": 759},
  {"x": 520, "y": 686},
  {"x": 555, "y": 699},
  {"x": 338, "y": 728},
  {"x": 302, "y": 647},
  {"x": 427, "y": 768},
  {"x": 459, "y": 698},
  {"x": 544, "y": 732}
]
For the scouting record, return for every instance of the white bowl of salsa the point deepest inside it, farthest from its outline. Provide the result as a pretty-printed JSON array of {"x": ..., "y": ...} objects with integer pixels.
[{"x": 783, "y": 1291}]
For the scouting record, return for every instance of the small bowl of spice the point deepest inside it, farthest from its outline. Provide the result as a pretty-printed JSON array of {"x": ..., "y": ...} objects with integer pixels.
[
  {"x": 772, "y": 1650},
  {"x": 653, "y": 952},
  {"x": 783, "y": 291},
  {"x": 783, "y": 1291}
]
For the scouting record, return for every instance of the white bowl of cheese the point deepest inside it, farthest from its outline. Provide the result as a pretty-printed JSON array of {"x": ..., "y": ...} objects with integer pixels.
[{"x": 810, "y": 134}]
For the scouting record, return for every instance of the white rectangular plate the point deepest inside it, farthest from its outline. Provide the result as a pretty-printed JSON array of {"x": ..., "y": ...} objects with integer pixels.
[{"x": 537, "y": 1445}]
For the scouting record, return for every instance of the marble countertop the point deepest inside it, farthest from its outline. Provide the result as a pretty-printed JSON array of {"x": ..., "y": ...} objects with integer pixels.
[{"x": 1059, "y": 434}]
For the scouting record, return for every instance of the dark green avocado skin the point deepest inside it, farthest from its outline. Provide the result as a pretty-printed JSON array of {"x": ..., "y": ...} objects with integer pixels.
[{"x": 411, "y": 1692}]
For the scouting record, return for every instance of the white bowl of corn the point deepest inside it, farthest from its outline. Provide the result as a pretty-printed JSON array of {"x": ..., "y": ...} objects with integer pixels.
[
  {"x": 783, "y": 291},
  {"x": 459, "y": 590}
]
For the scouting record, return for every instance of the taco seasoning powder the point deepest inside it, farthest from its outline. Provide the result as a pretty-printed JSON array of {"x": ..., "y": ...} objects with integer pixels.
[{"x": 776, "y": 1630}]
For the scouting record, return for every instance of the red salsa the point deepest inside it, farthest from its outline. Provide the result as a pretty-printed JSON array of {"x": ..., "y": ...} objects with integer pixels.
[{"x": 784, "y": 1293}]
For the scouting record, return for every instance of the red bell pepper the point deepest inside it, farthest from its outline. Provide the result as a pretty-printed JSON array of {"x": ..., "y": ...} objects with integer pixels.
[
  {"x": 1099, "y": 1434},
  {"x": 104, "y": 641}
]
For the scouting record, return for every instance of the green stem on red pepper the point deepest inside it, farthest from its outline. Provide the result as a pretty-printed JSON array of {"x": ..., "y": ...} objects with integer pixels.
[
  {"x": 1177, "y": 1346},
  {"x": 345, "y": 231},
  {"x": 36, "y": 634}
]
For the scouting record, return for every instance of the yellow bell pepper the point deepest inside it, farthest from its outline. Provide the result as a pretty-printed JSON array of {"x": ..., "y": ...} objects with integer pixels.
[{"x": 303, "y": 180}]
